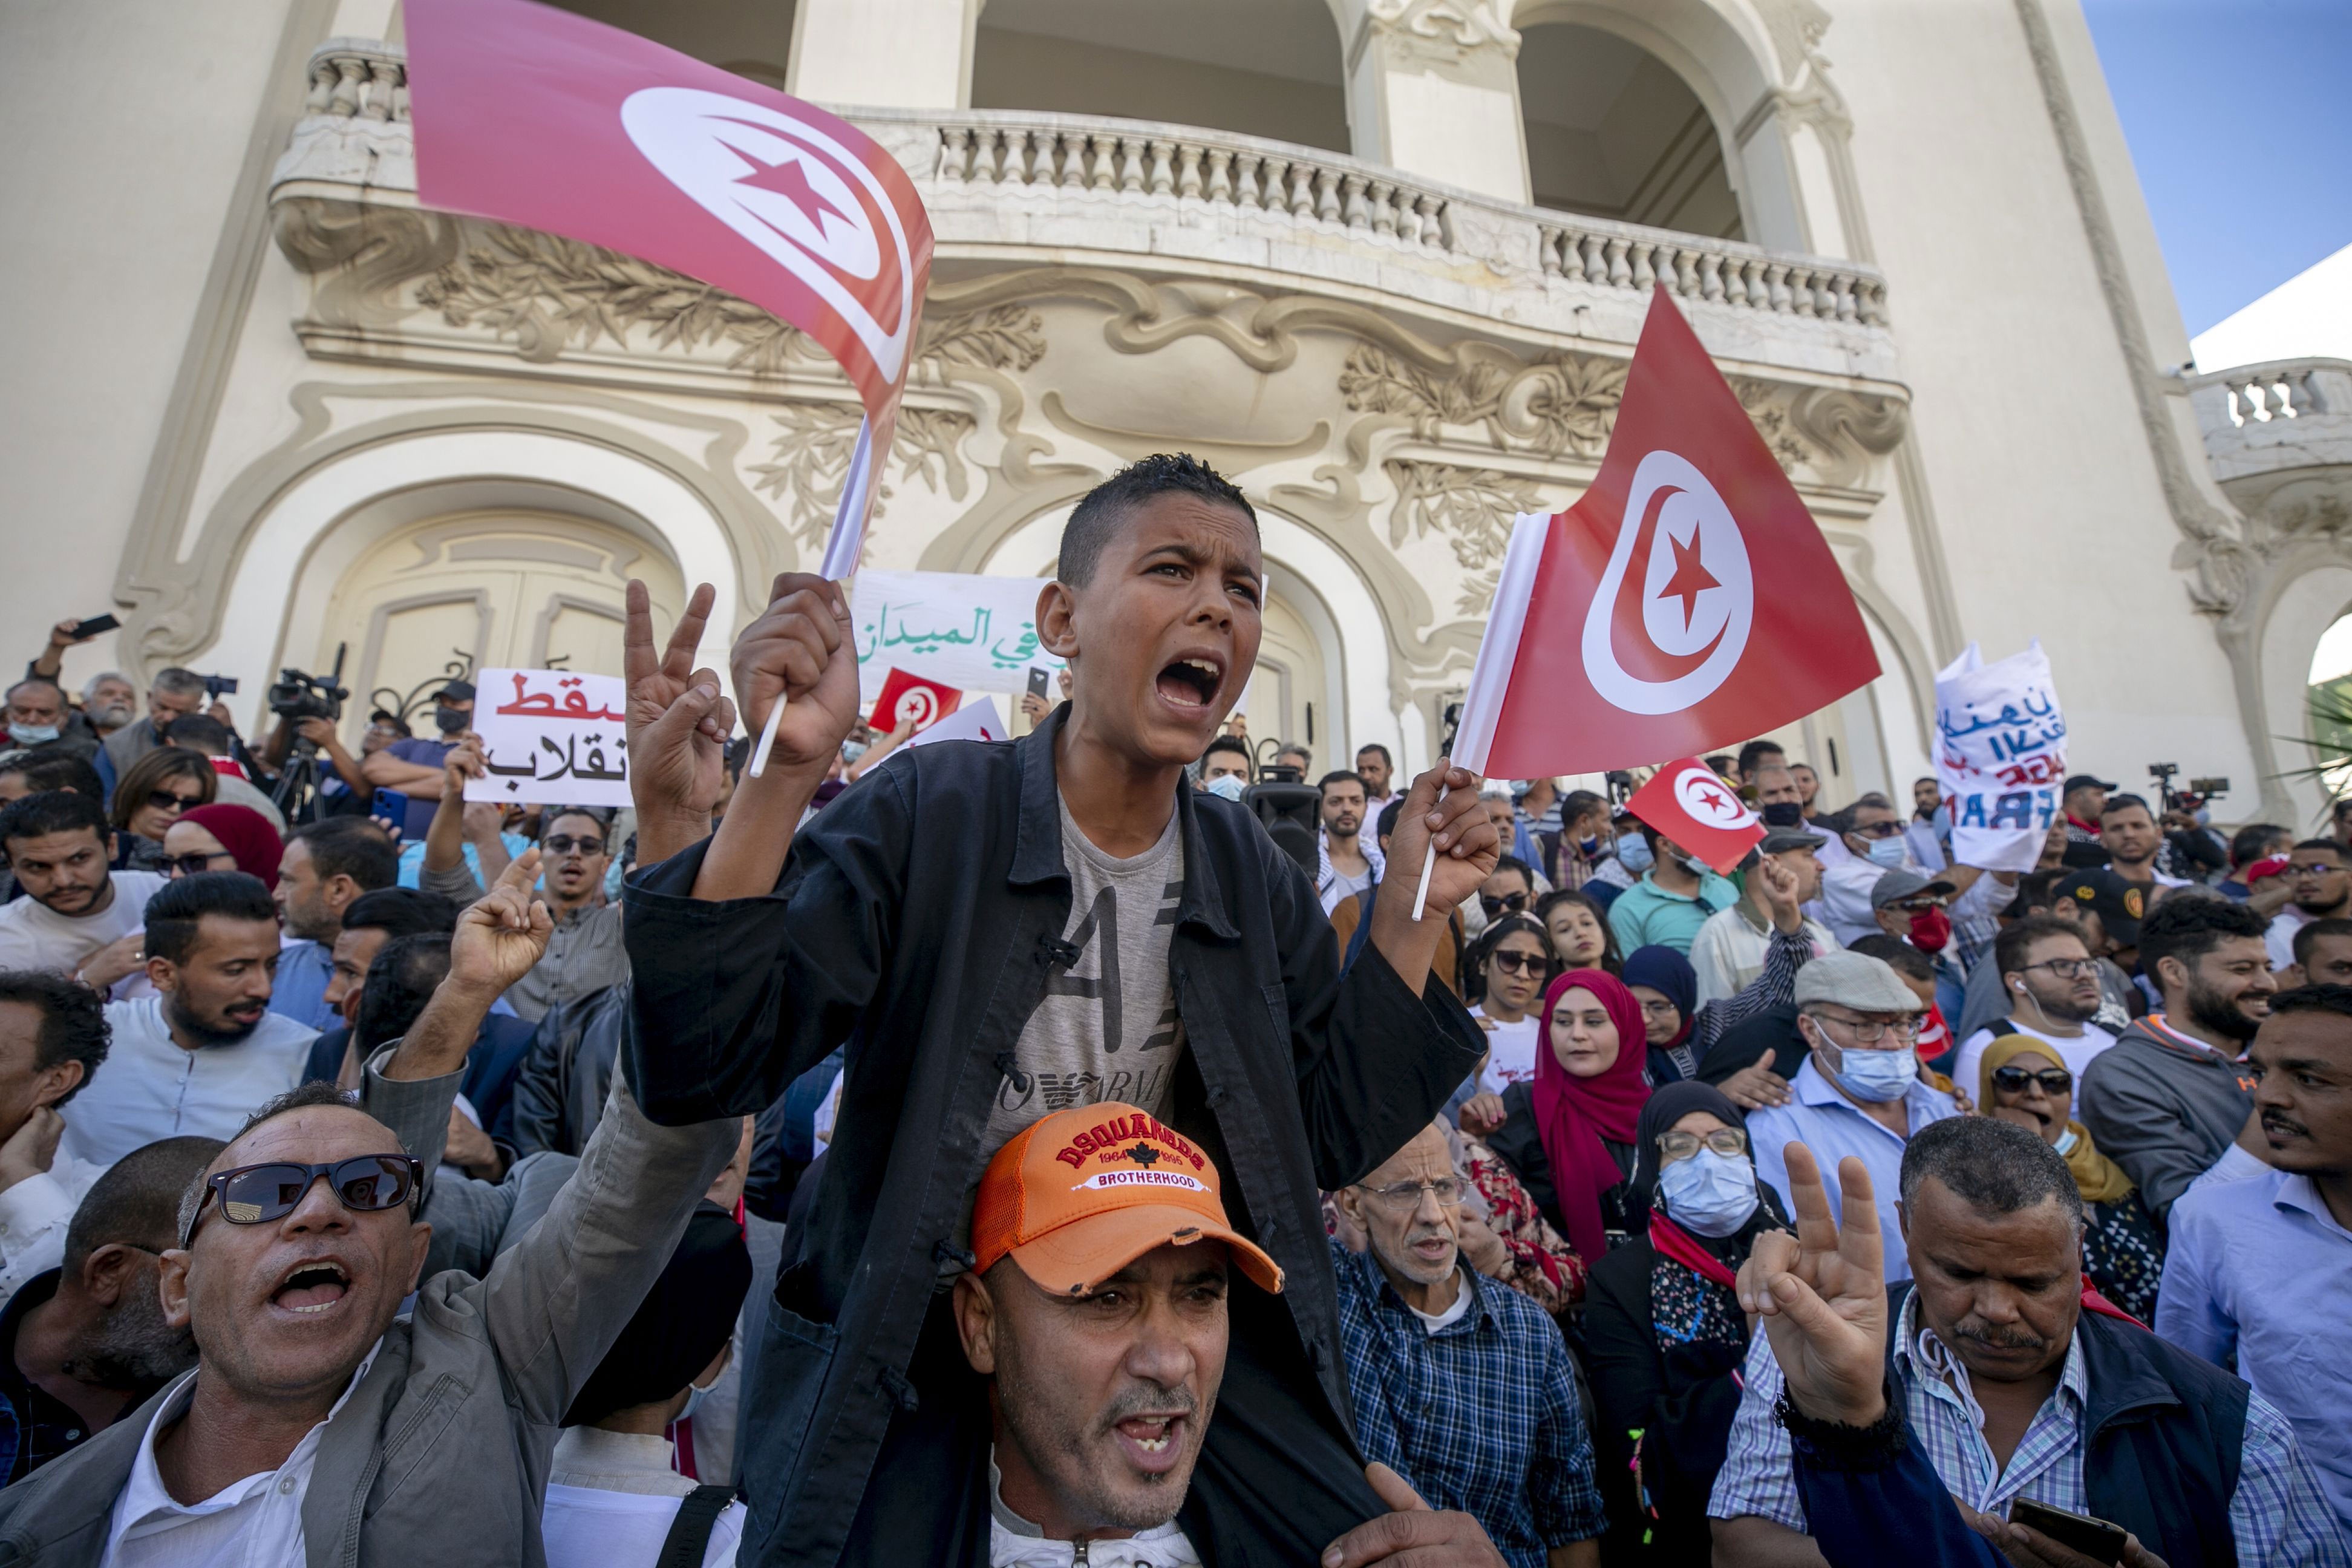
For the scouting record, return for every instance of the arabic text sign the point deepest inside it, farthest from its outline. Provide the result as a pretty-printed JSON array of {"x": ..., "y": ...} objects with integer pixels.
[
  {"x": 2001, "y": 756},
  {"x": 960, "y": 629},
  {"x": 552, "y": 737}
]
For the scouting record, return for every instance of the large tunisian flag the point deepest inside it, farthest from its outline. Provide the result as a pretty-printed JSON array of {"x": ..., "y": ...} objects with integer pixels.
[
  {"x": 1686, "y": 602},
  {"x": 536, "y": 117}
]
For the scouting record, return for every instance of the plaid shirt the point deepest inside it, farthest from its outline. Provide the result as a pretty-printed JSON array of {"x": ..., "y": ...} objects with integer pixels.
[
  {"x": 1480, "y": 1416},
  {"x": 2276, "y": 1514}
]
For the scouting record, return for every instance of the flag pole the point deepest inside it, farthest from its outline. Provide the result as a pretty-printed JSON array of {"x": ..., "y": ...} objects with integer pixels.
[
  {"x": 1428, "y": 862},
  {"x": 841, "y": 549}
]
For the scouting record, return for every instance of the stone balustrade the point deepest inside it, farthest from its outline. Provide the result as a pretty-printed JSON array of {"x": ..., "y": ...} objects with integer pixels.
[
  {"x": 2268, "y": 418},
  {"x": 359, "y": 79}
]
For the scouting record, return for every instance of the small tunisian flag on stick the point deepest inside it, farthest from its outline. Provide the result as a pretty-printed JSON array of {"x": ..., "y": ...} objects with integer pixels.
[
  {"x": 1686, "y": 602},
  {"x": 1687, "y": 802},
  {"x": 536, "y": 117}
]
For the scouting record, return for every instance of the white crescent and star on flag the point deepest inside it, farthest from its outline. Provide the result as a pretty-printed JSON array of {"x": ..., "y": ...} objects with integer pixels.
[
  {"x": 1710, "y": 802},
  {"x": 1698, "y": 594}
]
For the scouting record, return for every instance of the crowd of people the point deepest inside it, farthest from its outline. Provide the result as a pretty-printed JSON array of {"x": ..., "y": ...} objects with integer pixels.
[{"x": 1076, "y": 1151}]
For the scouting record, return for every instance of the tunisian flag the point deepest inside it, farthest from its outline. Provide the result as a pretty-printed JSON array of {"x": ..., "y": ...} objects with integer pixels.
[
  {"x": 1687, "y": 802},
  {"x": 536, "y": 117},
  {"x": 1686, "y": 602}
]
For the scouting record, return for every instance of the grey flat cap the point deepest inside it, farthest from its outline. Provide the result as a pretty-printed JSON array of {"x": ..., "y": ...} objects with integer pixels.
[
  {"x": 1855, "y": 981},
  {"x": 1781, "y": 839},
  {"x": 1901, "y": 883}
]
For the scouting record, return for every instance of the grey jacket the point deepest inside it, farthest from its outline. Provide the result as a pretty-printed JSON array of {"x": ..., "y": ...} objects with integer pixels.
[
  {"x": 441, "y": 1455},
  {"x": 2162, "y": 1112}
]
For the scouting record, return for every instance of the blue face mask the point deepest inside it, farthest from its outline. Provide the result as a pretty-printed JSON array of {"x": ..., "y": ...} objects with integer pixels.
[
  {"x": 1228, "y": 786},
  {"x": 1708, "y": 1194},
  {"x": 33, "y": 734},
  {"x": 1876, "y": 1076},
  {"x": 1633, "y": 854},
  {"x": 1888, "y": 852}
]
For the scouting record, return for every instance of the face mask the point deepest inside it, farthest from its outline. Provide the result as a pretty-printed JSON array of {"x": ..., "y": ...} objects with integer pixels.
[
  {"x": 852, "y": 750},
  {"x": 1633, "y": 854},
  {"x": 2204, "y": 818},
  {"x": 33, "y": 734},
  {"x": 1589, "y": 844},
  {"x": 2065, "y": 1144},
  {"x": 451, "y": 722},
  {"x": 694, "y": 1397},
  {"x": 1783, "y": 813},
  {"x": 1888, "y": 852},
  {"x": 1228, "y": 786},
  {"x": 1708, "y": 1194},
  {"x": 1931, "y": 930},
  {"x": 1877, "y": 1076}
]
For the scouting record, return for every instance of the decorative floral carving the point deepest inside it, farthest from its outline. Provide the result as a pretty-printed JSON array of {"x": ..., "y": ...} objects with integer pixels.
[
  {"x": 1766, "y": 408},
  {"x": 1558, "y": 404},
  {"x": 812, "y": 450},
  {"x": 1447, "y": 26},
  {"x": 1473, "y": 507}
]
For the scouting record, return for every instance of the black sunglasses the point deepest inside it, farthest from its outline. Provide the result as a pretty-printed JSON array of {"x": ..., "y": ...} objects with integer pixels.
[
  {"x": 2053, "y": 1080},
  {"x": 189, "y": 864},
  {"x": 164, "y": 800},
  {"x": 1517, "y": 962},
  {"x": 256, "y": 1195},
  {"x": 565, "y": 844},
  {"x": 1495, "y": 903}
]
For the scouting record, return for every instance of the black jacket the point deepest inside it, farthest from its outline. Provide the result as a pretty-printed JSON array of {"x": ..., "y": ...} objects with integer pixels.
[
  {"x": 559, "y": 1094},
  {"x": 916, "y": 920},
  {"x": 1520, "y": 1143}
]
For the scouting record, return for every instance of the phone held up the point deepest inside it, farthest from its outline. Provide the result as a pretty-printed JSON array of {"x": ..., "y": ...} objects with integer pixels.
[
  {"x": 2093, "y": 1538},
  {"x": 94, "y": 626},
  {"x": 1037, "y": 681}
]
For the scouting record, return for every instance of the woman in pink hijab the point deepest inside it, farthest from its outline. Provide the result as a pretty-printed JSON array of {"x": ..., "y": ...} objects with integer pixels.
[{"x": 1570, "y": 1134}]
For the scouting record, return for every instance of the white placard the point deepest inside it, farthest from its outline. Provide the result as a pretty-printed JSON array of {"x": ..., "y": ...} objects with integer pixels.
[
  {"x": 972, "y": 721},
  {"x": 961, "y": 630},
  {"x": 552, "y": 737},
  {"x": 2001, "y": 756}
]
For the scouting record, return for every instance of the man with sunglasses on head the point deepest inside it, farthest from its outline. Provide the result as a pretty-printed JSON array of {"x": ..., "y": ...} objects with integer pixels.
[
  {"x": 2054, "y": 991},
  {"x": 322, "y": 1425}
]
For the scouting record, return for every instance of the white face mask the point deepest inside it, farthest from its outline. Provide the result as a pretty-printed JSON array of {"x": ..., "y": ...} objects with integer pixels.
[
  {"x": 34, "y": 734},
  {"x": 1876, "y": 1076},
  {"x": 1228, "y": 786},
  {"x": 2065, "y": 1144},
  {"x": 1710, "y": 1194}
]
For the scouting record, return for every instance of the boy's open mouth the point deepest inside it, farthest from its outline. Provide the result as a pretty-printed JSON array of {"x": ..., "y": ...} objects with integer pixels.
[{"x": 1190, "y": 683}]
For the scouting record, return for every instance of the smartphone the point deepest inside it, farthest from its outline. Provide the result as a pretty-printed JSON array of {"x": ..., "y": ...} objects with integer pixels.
[
  {"x": 2093, "y": 1538},
  {"x": 1037, "y": 680},
  {"x": 95, "y": 624}
]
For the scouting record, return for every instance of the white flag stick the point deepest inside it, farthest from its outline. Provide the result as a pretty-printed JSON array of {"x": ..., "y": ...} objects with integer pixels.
[
  {"x": 841, "y": 549},
  {"x": 1428, "y": 864}
]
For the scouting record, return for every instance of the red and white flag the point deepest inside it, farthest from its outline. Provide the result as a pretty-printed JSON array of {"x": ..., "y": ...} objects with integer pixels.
[
  {"x": 911, "y": 699},
  {"x": 1686, "y": 602},
  {"x": 536, "y": 117},
  {"x": 1688, "y": 802}
]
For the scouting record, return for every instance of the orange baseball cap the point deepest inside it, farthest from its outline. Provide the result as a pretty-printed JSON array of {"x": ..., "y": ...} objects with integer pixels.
[{"x": 1078, "y": 1196}]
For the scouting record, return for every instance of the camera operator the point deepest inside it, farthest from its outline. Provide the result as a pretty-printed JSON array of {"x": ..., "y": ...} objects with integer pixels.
[{"x": 343, "y": 792}]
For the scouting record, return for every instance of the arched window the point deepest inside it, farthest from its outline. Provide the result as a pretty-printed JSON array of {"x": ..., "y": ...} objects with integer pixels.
[
  {"x": 1611, "y": 132},
  {"x": 750, "y": 37},
  {"x": 1261, "y": 67}
]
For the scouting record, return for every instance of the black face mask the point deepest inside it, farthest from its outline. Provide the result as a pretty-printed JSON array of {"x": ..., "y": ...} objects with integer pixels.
[
  {"x": 1783, "y": 813},
  {"x": 451, "y": 721}
]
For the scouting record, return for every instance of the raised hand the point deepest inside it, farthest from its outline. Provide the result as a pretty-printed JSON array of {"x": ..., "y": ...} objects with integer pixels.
[
  {"x": 1822, "y": 1294},
  {"x": 800, "y": 651},
  {"x": 1467, "y": 844},
  {"x": 679, "y": 723},
  {"x": 501, "y": 936},
  {"x": 1777, "y": 885}
]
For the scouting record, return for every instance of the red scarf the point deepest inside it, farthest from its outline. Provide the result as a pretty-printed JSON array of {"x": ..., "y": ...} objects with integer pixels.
[
  {"x": 2095, "y": 1302},
  {"x": 1573, "y": 1115},
  {"x": 1673, "y": 1241}
]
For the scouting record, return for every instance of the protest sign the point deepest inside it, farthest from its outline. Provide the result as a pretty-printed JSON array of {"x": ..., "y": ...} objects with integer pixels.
[
  {"x": 2001, "y": 756},
  {"x": 911, "y": 699},
  {"x": 552, "y": 737},
  {"x": 960, "y": 629},
  {"x": 1689, "y": 803},
  {"x": 973, "y": 722},
  {"x": 534, "y": 115}
]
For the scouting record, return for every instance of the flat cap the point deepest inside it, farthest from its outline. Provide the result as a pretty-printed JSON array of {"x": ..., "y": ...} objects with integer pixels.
[
  {"x": 1855, "y": 981},
  {"x": 1779, "y": 839},
  {"x": 1902, "y": 883}
]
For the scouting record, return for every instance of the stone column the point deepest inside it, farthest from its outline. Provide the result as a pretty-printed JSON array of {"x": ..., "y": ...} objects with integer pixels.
[
  {"x": 1433, "y": 89},
  {"x": 893, "y": 54}
]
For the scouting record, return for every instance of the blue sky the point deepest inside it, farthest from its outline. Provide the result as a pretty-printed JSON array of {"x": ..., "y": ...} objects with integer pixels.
[{"x": 2239, "y": 113}]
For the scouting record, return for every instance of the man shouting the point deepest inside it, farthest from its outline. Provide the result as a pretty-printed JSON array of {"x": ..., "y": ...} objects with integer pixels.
[{"x": 998, "y": 932}]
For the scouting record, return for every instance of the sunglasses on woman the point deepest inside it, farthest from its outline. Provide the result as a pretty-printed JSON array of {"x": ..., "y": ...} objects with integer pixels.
[
  {"x": 2053, "y": 1080},
  {"x": 1517, "y": 962},
  {"x": 1502, "y": 903},
  {"x": 189, "y": 864},
  {"x": 256, "y": 1195},
  {"x": 165, "y": 800}
]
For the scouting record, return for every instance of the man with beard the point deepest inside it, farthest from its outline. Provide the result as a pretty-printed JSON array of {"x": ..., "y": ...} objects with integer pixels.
[
  {"x": 1378, "y": 770},
  {"x": 2129, "y": 834},
  {"x": 53, "y": 1037},
  {"x": 2317, "y": 890},
  {"x": 87, "y": 1342},
  {"x": 1349, "y": 864},
  {"x": 2260, "y": 1270},
  {"x": 58, "y": 843},
  {"x": 198, "y": 1056},
  {"x": 326, "y": 866},
  {"x": 2169, "y": 1096},
  {"x": 2053, "y": 986},
  {"x": 174, "y": 693}
]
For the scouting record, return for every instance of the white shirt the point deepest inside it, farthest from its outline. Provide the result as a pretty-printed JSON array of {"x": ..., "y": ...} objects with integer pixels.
[
  {"x": 34, "y": 1214},
  {"x": 1432, "y": 1321},
  {"x": 2073, "y": 1055},
  {"x": 148, "y": 1087},
  {"x": 1510, "y": 1051},
  {"x": 1728, "y": 952},
  {"x": 253, "y": 1523},
  {"x": 1015, "y": 1542},
  {"x": 612, "y": 1498},
  {"x": 34, "y": 936},
  {"x": 2279, "y": 940}
]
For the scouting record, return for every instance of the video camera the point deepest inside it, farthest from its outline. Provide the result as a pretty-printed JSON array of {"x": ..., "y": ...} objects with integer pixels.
[{"x": 295, "y": 696}]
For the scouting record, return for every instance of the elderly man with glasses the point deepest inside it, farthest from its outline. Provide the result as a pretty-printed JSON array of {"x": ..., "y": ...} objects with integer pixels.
[
  {"x": 1460, "y": 1384},
  {"x": 1859, "y": 1091}
]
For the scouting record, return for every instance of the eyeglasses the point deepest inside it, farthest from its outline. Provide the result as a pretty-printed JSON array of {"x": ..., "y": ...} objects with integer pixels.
[
  {"x": 1517, "y": 962},
  {"x": 167, "y": 800},
  {"x": 2297, "y": 873},
  {"x": 256, "y": 1195},
  {"x": 2067, "y": 968},
  {"x": 1661, "y": 1007},
  {"x": 1494, "y": 905},
  {"x": 189, "y": 864},
  {"x": 1406, "y": 1196},
  {"x": 1870, "y": 1031},
  {"x": 2053, "y": 1080},
  {"x": 565, "y": 844},
  {"x": 1729, "y": 1142},
  {"x": 1880, "y": 830}
]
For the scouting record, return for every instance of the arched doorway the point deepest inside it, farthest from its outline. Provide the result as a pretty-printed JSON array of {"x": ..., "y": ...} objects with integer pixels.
[
  {"x": 1262, "y": 68},
  {"x": 1613, "y": 131}
]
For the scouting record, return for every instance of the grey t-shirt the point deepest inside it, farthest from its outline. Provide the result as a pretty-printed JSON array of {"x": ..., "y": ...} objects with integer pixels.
[{"x": 1106, "y": 1028}]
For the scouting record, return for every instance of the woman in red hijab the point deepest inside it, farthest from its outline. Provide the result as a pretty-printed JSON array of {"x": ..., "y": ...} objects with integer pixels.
[
  {"x": 223, "y": 838},
  {"x": 1570, "y": 1134}
]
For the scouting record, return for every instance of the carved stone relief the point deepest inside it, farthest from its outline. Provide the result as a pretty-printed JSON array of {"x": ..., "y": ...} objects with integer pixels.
[{"x": 1443, "y": 29}]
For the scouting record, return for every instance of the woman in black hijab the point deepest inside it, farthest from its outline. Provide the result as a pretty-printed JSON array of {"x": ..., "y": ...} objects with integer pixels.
[{"x": 1663, "y": 1332}]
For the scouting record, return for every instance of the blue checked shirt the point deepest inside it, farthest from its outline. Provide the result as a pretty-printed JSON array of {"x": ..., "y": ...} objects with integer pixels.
[
  {"x": 2277, "y": 1514},
  {"x": 1480, "y": 1416}
]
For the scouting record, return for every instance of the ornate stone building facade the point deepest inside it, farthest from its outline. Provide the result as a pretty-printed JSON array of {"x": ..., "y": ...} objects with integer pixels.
[{"x": 1382, "y": 261}]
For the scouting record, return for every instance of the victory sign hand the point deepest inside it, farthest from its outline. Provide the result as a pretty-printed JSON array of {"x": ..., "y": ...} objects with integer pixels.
[
  {"x": 678, "y": 723},
  {"x": 1823, "y": 1296}
]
